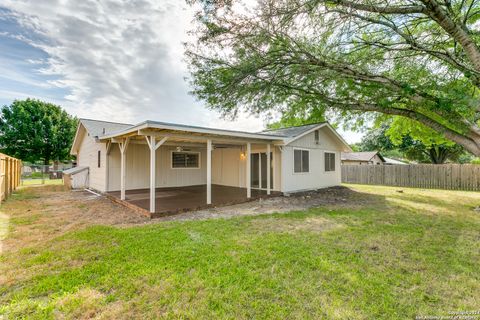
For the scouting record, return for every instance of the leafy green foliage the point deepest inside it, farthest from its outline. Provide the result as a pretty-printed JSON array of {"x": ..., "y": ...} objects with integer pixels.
[
  {"x": 343, "y": 59},
  {"x": 32, "y": 130},
  {"x": 403, "y": 138},
  {"x": 291, "y": 119}
]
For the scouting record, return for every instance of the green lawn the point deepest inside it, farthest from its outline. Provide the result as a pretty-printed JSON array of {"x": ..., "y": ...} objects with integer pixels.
[
  {"x": 394, "y": 256},
  {"x": 39, "y": 181}
]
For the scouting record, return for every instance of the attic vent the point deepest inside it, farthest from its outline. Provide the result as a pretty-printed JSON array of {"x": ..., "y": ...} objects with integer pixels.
[
  {"x": 317, "y": 137},
  {"x": 103, "y": 131}
]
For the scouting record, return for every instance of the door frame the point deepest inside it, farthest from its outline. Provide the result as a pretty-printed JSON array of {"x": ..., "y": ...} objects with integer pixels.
[{"x": 272, "y": 182}]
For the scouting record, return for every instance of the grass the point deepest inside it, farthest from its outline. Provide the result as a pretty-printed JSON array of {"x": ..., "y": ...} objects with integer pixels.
[
  {"x": 395, "y": 256},
  {"x": 39, "y": 181}
]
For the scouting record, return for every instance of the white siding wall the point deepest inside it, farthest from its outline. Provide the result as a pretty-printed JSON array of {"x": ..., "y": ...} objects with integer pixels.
[
  {"x": 227, "y": 167},
  {"x": 377, "y": 160},
  {"x": 138, "y": 168},
  {"x": 87, "y": 156},
  {"x": 230, "y": 170},
  {"x": 317, "y": 177}
]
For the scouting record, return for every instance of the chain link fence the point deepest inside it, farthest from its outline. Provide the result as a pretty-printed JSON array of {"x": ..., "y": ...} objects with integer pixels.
[{"x": 38, "y": 174}]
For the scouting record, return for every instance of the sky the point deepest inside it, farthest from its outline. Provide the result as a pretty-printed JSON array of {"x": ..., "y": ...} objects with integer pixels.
[{"x": 114, "y": 60}]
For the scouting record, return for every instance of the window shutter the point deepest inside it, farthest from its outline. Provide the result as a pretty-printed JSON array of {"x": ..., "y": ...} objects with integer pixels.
[
  {"x": 305, "y": 161},
  {"x": 297, "y": 160}
]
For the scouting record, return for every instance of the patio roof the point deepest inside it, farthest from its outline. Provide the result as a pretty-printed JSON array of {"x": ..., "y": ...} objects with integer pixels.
[{"x": 156, "y": 126}]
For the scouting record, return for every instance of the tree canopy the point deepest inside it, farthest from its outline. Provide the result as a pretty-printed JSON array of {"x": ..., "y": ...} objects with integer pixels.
[
  {"x": 32, "y": 130},
  {"x": 398, "y": 137},
  {"x": 350, "y": 59}
]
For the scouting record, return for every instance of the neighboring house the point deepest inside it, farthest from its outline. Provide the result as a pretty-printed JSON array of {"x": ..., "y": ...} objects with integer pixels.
[
  {"x": 165, "y": 167},
  {"x": 359, "y": 158},
  {"x": 390, "y": 161}
]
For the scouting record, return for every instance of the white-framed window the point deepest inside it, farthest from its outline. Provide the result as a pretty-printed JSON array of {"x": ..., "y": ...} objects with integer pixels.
[
  {"x": 185, "y": 160},
  {"x": 329, "y": 161},
  {"x": 301, "y": 161}
]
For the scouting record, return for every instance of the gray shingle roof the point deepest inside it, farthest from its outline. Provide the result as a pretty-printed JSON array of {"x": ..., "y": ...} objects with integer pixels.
[
  {"x": 97, "y": 128},
  {"x": 359, "y": 156},
  {"x": 291, "y": 131}
]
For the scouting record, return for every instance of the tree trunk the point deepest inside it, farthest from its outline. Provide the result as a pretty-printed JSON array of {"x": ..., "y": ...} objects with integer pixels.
[
  {"x": 438, "y": 154},
  {"x": 46, "y": 162}
]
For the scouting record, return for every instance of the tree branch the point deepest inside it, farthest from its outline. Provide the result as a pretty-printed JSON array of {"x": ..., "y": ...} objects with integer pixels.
[
  {"x": 379, "y": 9},
  {"x": 466, "y": 141},
  {"x": 456, "y": 31}
]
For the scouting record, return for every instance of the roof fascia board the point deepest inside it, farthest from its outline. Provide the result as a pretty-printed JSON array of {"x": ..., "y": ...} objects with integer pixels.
[
  {"x": 380, "y": 156},
  {"x": 217, "y": 132},
  {"x": 73, "y": 152}
]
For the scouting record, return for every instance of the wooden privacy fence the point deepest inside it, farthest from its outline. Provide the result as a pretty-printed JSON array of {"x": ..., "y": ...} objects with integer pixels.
[
  {"x": 429, "y": 176},
  {"x": 10, "y": 172}
]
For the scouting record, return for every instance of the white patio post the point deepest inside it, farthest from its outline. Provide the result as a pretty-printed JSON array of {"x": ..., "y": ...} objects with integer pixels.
[
  {"x": 153, "y": 146},
  {"x": 123, "y": 171},
  {"x": 209, "y": 171},
  {"x": 268, "y": 169},
  {"x": 248, "y": 177}
]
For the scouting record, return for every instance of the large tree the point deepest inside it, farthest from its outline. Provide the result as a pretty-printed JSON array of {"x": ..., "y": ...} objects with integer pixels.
[
  {"x": 417, "y": 59},
  {"x": 33, "y": 130},
  {"x": 399, "y": 137}
]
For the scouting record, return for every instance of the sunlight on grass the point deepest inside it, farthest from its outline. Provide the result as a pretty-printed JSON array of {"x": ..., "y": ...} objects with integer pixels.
[
  {"x": 389, "y": 258},
  {"x": 34, "y": 182}
]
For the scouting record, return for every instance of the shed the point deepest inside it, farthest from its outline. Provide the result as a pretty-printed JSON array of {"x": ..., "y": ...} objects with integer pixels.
[
  {"x": 358, "y": 158},
  {"x": 76, "y": 178}
]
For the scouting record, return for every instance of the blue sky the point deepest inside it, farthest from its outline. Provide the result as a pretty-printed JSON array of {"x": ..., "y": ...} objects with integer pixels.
[
  {"x": 109, "y": 60},
  {"x": 20, "y": 63}
]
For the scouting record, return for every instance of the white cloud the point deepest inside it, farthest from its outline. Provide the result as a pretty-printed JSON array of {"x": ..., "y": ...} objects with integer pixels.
[{"x": 119, "y": 60}]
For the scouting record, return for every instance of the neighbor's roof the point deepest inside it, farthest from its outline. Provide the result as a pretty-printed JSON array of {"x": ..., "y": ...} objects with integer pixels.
[
  {"x": 393, "y": 161},
  {"x": 360, "y": 156},
  {"x": 292, "y": 131},
  {"x": 97, "y": 128}
]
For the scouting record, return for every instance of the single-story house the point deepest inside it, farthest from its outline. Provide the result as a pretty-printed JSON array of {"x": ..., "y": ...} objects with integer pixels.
[
  {"x": 163, "y": 167},
  {"x": 358, "y": 158}
]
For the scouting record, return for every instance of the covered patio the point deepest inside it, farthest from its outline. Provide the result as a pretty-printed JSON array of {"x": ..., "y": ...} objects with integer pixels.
[
  {"x": 180, "y": 199},
  {"x": 165, "y": 169}
]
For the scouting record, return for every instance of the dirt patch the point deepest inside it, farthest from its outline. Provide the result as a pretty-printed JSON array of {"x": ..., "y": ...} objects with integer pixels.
[
  {"x": 83, "y": 304},
  {"x": 38, "y": 214},
  {"x": 329, "y": 197}
]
